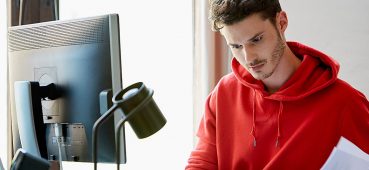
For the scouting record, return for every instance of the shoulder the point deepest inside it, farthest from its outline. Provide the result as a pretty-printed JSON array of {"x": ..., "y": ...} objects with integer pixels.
[
  {"x": 224, "y": 84},
  {"x": 228, "y": 87},
  {"x": 347, "y": 92},
  {"x": 229, "y": 81}
]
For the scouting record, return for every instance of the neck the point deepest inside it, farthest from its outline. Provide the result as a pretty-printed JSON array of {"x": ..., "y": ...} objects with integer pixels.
[{"x": 286, "y": 67}]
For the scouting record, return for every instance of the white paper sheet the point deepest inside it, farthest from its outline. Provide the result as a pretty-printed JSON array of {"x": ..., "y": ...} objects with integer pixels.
[{"x": 347, "y": 156}]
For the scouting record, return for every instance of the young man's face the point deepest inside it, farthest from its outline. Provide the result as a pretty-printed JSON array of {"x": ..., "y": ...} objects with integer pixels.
[{"x": 256, "y": 44}]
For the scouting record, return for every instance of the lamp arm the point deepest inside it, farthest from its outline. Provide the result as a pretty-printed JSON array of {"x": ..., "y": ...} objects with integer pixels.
[
  {"x": 95, "y": 130},
  {"x": 119, "y": 127}
]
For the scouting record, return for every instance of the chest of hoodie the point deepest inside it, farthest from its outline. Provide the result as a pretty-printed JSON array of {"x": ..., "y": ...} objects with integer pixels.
[{"x": 277, "y": 124}]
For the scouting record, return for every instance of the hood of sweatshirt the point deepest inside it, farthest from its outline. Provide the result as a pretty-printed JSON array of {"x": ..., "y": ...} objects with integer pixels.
[{"x": 315, "y": 72}]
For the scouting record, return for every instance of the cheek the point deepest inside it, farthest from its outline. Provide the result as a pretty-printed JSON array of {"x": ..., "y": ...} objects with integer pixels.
[{"x": 266, "y": 51}]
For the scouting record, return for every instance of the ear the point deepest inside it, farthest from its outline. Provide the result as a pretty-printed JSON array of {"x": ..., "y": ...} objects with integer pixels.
[{"x": 282, "y": 21}]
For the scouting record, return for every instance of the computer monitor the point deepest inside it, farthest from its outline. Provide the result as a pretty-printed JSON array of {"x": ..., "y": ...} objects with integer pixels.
[{"x": 82, "y": 58}]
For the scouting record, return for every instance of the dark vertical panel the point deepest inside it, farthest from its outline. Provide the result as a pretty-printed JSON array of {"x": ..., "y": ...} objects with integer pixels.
[
  {"x": 34, "y": 11},
  {"x": 47, "y": 10},
  {"x": 15, "y": 6}
]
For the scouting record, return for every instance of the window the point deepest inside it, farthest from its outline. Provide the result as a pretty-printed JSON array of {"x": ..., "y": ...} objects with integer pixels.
[{"x": 156, "y": 48}]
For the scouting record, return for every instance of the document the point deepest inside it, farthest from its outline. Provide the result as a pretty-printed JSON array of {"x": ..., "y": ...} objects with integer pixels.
[{"x": 347, "y": 156}]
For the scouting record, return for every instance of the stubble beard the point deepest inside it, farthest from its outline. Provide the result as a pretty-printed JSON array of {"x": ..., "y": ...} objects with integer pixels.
[{"x": 276, "y": 57}]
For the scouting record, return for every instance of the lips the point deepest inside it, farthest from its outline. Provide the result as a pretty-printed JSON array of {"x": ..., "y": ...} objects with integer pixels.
[{"x": 257, "y": 67}]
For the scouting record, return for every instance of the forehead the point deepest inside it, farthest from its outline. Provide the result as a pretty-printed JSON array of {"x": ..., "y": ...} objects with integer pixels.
[{"x": 246, "y": 28}]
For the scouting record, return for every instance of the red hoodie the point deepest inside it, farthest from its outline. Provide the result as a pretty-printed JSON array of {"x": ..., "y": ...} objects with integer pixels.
[{"x": 297, "y": 127}]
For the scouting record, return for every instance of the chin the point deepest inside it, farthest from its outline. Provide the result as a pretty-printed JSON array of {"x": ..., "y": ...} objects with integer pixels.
[
  {"x": 257, "y": 76},
  {"x": 261, "y": 76}
]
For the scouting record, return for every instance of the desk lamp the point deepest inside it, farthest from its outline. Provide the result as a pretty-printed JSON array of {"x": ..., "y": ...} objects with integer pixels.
[{"x": 141, "y": 112}]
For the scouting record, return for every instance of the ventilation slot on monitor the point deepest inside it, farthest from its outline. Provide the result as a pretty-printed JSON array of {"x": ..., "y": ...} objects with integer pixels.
[{"x": 61, "y": 34}]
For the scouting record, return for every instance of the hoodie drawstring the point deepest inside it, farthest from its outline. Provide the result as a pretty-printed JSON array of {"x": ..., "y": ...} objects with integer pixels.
[
  {"x": 253, "y": 129},
  {"x": 253, "y": 119},
  {"x": 278, "y": 123}
]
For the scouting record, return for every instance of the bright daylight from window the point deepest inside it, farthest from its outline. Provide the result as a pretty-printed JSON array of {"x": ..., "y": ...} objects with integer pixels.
[{"x": 156, "y": 48}]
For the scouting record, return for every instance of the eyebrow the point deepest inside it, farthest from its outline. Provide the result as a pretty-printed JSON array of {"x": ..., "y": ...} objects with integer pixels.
[{"x": 249, "y": 40}]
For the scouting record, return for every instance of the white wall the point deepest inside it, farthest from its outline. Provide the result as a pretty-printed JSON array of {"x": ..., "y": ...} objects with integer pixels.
[
  {"x": 340, "y": 28},
  {"x": 156, "y": 45}
]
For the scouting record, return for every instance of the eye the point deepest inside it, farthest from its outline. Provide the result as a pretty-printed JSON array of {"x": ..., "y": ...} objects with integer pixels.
[
  {"x": 257, "y": 39},
  {"x": 236, "y": 46}
]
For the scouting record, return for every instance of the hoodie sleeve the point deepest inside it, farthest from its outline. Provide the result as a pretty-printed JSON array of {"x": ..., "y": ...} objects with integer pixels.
[
  {"x": 204, "y": 156},
  {"x": 355, "y": 126}
]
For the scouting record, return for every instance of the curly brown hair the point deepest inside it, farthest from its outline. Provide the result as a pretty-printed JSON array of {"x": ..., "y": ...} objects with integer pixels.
[{"x": 228, "y": 12}]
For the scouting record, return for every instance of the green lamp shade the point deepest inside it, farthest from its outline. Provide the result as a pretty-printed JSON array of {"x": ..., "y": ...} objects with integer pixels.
[{"x": 145, "y": 116}]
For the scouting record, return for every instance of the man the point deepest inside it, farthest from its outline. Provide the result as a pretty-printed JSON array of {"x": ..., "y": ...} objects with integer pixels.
[{"x": 282, "y": 107}]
